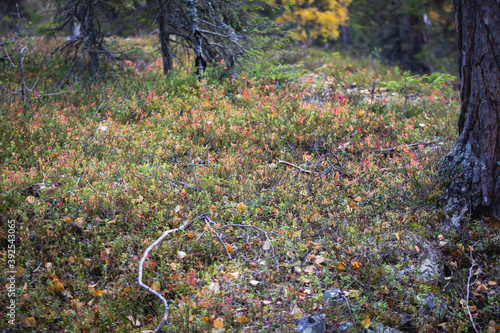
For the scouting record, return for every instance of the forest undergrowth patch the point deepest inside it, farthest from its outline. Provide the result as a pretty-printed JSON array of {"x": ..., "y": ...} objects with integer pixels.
[{"x": 339, "y": 189}]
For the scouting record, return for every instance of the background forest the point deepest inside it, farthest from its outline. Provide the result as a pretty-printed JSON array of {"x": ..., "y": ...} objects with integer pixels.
[{"x": 285, "y": 151}]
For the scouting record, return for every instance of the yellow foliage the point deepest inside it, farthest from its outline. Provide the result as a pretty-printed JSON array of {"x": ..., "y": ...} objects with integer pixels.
[{"x": 315, "y": 19}]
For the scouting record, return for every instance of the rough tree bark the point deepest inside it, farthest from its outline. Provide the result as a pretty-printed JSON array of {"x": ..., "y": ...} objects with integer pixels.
[
  {"x": 200, "y": 62},
  {"x": 164, "y": 35},
  {"x": 92, "y": 42},
  {"x": 473, "y": 165}
]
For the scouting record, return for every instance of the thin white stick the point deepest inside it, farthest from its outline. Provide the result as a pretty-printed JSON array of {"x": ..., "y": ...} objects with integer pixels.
[
  {"x": 468, "y": 287},
  {"x": 144, "y": 257}
]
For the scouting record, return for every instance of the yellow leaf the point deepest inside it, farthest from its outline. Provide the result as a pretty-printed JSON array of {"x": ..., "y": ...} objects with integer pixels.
[
  {"x": 174, "y": 266},
  {"x": 58, "y": 286},
  {"x": 241, "y": 207},
  {"x": 155, "y": 286},
  {"x": 67, "y": 219},
  {"x": 356, "y": 265},
  {"x": 352, "y": 204},
  {"x": 365, "y": 323},
  {"x": 126, "y": 290},
  {"x": 340, "y": 266},
  {"x": 205, "y": 319},
  {"x": 212, "y": 209},
  {"x": 397, "y": 235},
  {"x": 218, "y": 323},
  {"x": 229, "y": 248},
  {"x": 71, "y": 260},
  {"x": 175, "y": 221},
  {"x": 104, "y": 254},
  {"x": 358, "y": 199},
  {"x": 53, "y": 276},
  {"x": 30, "y": 321},
  {"x": 460, "y": 247},
  {"x": 96, "y": 293},
  {"x": 80, "y": 222},
  {"x": 190, "y": 235},
  {"x": 242, "y": 319}
]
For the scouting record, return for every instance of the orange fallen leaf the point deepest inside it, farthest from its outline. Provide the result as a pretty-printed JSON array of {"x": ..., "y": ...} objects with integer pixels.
[
  {"x": 218, "y": 323},
  {"x": 340, "y": 266},
  {"x": 242, "y": 319},
  {"x": 241, "y": 207},
  {"x": 30, "y": 321},
  {"x": 97, "y": 293},
  {"x": 366, "y": 323},
  {"x": 58, "y": 286},
  {"x": 356, "y": 265}
]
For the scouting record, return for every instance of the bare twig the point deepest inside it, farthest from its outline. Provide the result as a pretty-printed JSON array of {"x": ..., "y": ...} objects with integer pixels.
[
  {"x": 297, "y": 167},
  {"x": 362, "y": 176},
  {"x": 145, "y": 255},
  {"x": 474, "y": 264},
  {"x": 411, "y": 145}
]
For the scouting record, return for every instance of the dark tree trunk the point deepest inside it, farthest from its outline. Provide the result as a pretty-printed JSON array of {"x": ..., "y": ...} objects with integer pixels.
[
  {"x": 92, "y": 43},
  {"x": 200, "y": 62},
  {"x": 164, "y": 34},
  {"x": 473, "y": 166},
  {"x": 344, "y": 34}
]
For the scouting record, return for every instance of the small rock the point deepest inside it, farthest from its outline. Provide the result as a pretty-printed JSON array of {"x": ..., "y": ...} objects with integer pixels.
[
  {"x": 332, "y": 295},
  {"x": 311, "y": 324},
  {"x": 428, "y": 269},
  {"x": 345, "y": 327},
  {"x": 432, "y": 310}
]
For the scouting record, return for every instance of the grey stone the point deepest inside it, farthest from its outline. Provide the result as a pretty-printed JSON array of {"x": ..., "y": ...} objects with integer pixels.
[
  {"x": 311, "y": 324},
  {"x": 432, "y": 306},
  {"x": 428, "y": 269},
  {"x": 332, "y": 295},
  {"x": 345, "y": 327}
]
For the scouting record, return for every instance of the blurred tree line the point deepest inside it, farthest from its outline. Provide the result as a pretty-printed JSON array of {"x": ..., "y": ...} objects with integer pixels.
[{"x": 417, "y": 35}]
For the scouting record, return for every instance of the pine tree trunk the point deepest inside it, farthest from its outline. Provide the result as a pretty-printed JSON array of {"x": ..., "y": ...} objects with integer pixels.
[
  {"x": 166, "y": 50},
  {"x": 473, "y": 165},
  {"x": 200, "y": 62},
  {"x": 92, "y": 41}
]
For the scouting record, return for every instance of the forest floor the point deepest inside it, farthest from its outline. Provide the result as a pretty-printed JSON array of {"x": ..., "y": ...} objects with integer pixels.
[{"x": 314, "y": 172}]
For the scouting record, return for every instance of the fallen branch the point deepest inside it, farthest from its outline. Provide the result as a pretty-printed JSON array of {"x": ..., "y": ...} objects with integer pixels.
[
  {"x": 411, "y": 145},
  {"x": 474, "y": 264},
  {"x": 297, "y": 167},
  {"x": 145, "y": 255}
]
